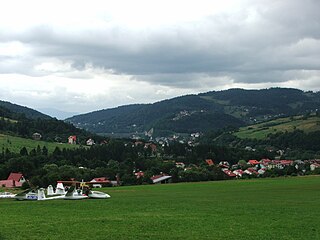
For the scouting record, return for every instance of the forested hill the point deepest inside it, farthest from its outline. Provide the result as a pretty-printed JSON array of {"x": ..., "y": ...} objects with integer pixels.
[
  {"x": 202, "y": 112},
  {"x": 28, "y": 112},
  {"x": 51, "y": 129}
]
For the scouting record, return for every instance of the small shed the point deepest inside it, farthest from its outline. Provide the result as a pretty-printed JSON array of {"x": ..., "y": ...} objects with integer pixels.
[
  {"x": 36, "y": 136},
  {"x": 161, "y": 179}
]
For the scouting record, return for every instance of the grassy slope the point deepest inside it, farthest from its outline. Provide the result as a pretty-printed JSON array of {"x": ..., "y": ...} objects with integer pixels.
[
  {"x": 284, "y": 208},
  {"x": 261, "y": 130},
  {"x": 14, "y": 144}
]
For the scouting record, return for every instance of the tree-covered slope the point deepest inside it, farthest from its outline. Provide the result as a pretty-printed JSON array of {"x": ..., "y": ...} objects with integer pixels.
[
  {"x": 28, "y": 112},
  {"x": 17, "y": 124},
  {"x": 183, "y": 114},
  {"x": 202, "y": 112}
]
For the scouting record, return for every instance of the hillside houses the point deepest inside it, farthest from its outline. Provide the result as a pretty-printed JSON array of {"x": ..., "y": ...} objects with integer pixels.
[{"x": 255, "y": 168}]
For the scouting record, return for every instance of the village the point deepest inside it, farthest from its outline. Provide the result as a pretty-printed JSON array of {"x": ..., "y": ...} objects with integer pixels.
[{"x": 252, "y": 168}]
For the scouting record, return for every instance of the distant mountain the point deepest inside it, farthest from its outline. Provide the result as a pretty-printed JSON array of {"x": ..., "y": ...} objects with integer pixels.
[
  {"x": 28, "y": 112},
  {"x": 57, "y": 113},
  {"x": 200, "y": 113}
]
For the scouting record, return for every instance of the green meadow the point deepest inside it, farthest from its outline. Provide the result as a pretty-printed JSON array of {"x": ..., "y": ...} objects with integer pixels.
[
  {"x": 279, "y": 208},
  {"x": 262, "y": 130},
  {"x": 15, "y": 144}
]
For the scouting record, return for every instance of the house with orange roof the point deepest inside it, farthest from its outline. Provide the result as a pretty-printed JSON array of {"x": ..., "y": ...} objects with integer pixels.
[
  {"x": 210, "y": 162},
  {"x": 253, "y": 162}
]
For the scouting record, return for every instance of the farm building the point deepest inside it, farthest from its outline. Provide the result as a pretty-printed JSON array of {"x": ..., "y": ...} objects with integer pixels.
[{"x": 14, "y": 180}]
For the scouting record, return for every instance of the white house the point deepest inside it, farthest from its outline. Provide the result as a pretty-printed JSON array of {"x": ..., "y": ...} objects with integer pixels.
[{"x": 90, "y": 142}]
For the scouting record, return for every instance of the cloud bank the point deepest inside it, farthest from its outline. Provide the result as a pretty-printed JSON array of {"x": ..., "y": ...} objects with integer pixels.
[{"x": 81, "y": 56}]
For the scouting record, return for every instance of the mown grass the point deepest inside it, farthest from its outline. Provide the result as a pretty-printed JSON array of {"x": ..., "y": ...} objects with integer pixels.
[
  {"x": 283, "y": 208},
  {"x": 262, "y": 130},
  {"x": 15, "y": 144}
]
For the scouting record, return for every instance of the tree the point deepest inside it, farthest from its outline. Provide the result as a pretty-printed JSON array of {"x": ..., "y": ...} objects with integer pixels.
[
  {"x": 24, "y": 151},
  {"x": 45, "y": 151}
]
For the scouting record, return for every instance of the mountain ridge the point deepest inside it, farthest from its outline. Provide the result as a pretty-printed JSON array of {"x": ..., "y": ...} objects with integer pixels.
[{"x": 200, "y": 112}]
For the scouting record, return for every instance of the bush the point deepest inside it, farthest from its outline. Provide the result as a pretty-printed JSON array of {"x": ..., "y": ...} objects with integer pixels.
[{"x": 25, "y": 185}]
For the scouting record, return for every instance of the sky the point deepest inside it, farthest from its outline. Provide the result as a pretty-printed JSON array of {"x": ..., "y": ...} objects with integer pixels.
[{"x": 81, "y": 56}]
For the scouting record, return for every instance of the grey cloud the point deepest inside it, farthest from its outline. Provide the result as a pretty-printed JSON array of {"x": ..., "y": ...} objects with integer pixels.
[{"x": 282, "y": 37}]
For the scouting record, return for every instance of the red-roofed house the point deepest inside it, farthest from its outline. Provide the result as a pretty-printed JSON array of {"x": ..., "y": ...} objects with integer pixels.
[
  {"x": 314, "y": 166},
  {"x": 14, "y": 180},
  {"x": 229, "y": 173},
  {"x": 265, "y": 161},
  {"x": 139, "y": 174},
  {"x": 224, "y": 164},
  {"x": 238, "y": 172},
  {"x": 251, "y": 171},
  {"x": 72, "y": 140},
  {"x": 18, "y": 177},
  {"x": 286, "y": 162},
  {"x": 98, "y": 182},
  {"x": 253, "y": 162},
  {"x": 209, "y": 162}
]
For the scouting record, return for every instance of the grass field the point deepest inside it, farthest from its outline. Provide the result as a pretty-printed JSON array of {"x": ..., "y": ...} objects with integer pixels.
[
  {"x": 14, "y": 144},
  {"x": 262, "y": 130},
  {"x": 281, "y": 208}
]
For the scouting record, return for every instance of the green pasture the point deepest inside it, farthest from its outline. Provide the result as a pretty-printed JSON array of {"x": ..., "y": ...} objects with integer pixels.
[
  {"x": 262, "y": 130},
  {"x": 14, "y": 144},
  {"x": 280, "y": 208}
]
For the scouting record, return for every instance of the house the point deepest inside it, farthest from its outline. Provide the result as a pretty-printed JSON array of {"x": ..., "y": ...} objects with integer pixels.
[
  {"x": 72, "y": 140},
  {"x": 180, "y": 165},
  {"x": 163, "y": 178},
  {"x": 139, "y": 174},
  {"x": 262, "y": 171},
  {"x": 224, "y": 164},
  {"x": 210, "y": 162},
  {"x": 253, "y": 162},
  {"x": 229, "y": 173},
  {"x": 99, "y": 182},
  {"x": 90, "y": 142},
  {"x": 314, "y": 166},
  {"x": 137, "y": 143},
  {"x": 36, "y": 136},
  {"x": 251, "y": 171},
  {"x": 152, "y": 146},
  {"x": 104, "y": 142},
  {"x": 265, "y": 161},
  {"x": 286, "y": 162},
  {"x": 14, "y": 180},
  {"x": 238, "y": 172}
]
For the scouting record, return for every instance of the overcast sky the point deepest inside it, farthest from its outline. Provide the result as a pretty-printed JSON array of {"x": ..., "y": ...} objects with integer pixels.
[{"x": 80, "y": 56}]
